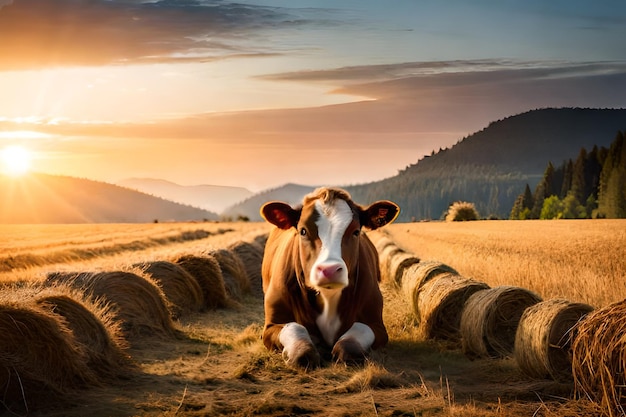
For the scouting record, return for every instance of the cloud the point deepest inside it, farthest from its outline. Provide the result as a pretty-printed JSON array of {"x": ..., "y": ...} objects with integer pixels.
[
  {"x": 39, "y": 33},
  {"x": 464, "y": 96}
]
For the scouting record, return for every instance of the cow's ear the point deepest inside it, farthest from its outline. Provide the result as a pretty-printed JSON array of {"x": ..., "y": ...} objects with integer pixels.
[
  {"x": 379, "y": 214},
  {"x": 281, "y": 215}
]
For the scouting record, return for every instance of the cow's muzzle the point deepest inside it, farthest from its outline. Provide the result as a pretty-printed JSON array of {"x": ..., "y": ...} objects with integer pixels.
[{"x": 331, "y": 276}]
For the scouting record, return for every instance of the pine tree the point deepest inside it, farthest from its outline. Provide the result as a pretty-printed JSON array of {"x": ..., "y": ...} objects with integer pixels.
[
  {"x": 579, "y": 182},
  {"x": 593, "y": 170},
  {"x": 612, "y": 193},
  {"x": 566, "y": 185},
  {"x": 544, "y": 189}
]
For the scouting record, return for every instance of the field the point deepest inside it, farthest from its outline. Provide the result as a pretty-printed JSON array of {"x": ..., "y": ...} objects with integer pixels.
[{"x": 216, "y": 364}]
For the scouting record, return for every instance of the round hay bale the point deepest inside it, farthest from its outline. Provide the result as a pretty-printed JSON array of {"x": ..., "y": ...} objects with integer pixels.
[
  {"x": 40, "y": 361},
  {"x": 384, "y": 257},
  {"x": 93, "y": 327},
  {"x": 440, "y": 303},
  {"x": 544, "y": 337},
  {"x": 251, "y": 255},
  {"x": 206, "y": 270},
  {"x": 599, "y": 358},
  {"x": 397, "y": 264},
  {"x": 136, "y": 301},
  {"x": 416, "y": 275},
  {"x": 490, "y": 318},
  {"x": 180, "y": 286},
  {"x": 234, "y": 273},
  {"x": 73, "y": 279},
  {"x": 261, "y": 239},
  {"x": 380, "y": 240}
]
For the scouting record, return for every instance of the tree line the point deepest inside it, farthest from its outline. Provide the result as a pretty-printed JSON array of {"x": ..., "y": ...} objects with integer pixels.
[{"x": 592, "y": 186}]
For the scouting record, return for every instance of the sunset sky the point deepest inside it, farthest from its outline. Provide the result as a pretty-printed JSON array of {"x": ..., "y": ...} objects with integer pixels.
[{"x": 261, "y": 93}]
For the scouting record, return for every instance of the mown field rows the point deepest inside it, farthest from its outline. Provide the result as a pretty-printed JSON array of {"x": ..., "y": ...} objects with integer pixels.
[{"x": 215, "y": 363}]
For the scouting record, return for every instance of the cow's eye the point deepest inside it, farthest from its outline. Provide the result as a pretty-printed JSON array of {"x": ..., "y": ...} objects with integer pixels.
[
  {"x": 303, "y": 232},
  {"x": 356, "y": 233}
]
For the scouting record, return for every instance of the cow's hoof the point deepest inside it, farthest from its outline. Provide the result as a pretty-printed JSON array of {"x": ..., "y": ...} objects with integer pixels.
[
  {"x": 302, "y": 355},
  {"x": 349, "y": 351}
]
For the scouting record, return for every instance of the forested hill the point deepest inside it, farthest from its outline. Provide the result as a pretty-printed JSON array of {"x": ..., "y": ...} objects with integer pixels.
[
  {"x": 525, "y": 142},
  {"x": 491, "y": 167},
  {"x": 41, "y": 198}
]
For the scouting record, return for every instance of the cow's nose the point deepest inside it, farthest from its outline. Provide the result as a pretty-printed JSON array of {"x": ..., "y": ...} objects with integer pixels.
[{"x": 329, "y": 271}]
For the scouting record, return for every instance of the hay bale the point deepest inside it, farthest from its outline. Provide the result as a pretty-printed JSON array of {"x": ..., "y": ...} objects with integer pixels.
[
  {"x": 440, "y": 303},
  {"x": 384, "y": 258},
  {"x": 136, "y": 301},
  {"x": 490, "y": 318},
  {"x": 251, "y": 255},
  {"x": 416, "y": 275},
  {"x": 397, "y": 264},
  {"x": 233, "y": 272},
  {"x": 380, "y": 240},
  {"x": 206, "y": 270},
  {"x": 599, "y": 358},
  {"x": 180, "y": 286},
  {"x": 544, "y": 336},
  {"x": 65, "y": 277},
  {"x": 40, "y": 361},
  {"x": 261, "y": 239},
  {"x": 93, "y": 327}
]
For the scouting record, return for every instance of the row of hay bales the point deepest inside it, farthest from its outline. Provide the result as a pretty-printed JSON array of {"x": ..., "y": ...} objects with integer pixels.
[
  {"x": 555, "y": 338},
  {"x": 74, "y": 330}
]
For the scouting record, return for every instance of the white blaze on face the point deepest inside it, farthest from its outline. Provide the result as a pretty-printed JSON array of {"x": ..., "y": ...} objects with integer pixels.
[{"x": 331, "y": 225}]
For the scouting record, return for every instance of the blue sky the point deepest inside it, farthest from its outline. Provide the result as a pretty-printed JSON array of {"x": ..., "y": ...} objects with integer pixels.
[{"x": 210, "y": 91}]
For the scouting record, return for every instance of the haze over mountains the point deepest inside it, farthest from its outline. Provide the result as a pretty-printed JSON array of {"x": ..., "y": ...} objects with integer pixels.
[
  {"x": 208, "y": 197},
  {"x": 489, "y": 168}
]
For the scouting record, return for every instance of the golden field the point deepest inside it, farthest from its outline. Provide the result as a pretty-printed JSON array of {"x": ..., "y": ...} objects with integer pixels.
[
  {"x": 579, "y": 260},
  {"x": 220, "y": 367}
]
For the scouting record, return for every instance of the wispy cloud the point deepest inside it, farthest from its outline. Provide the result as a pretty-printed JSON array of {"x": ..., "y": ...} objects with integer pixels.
[
  {"x": 39, "y": 33},
  {"x": 409, "y": 98}
]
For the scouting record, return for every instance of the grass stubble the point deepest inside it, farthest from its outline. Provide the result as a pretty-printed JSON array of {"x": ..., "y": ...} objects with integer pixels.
[{"x": 222, "y": 368}]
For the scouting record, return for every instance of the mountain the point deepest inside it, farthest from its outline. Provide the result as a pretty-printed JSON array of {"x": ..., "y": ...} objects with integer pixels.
[
  {"x": 209, "y": 197},
  {"x": 489, "y": 168},
  {"x": 42, "y": 198},
  {"x": 288, "y": 193},
  {"x": 527, "y": 141}
]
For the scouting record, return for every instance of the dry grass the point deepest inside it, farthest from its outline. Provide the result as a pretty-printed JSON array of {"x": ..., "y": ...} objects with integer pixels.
[
  {"x": 578, "y": 260},
  {"x": 30, "y": 251},
  {"x": 220, "y": 367}
]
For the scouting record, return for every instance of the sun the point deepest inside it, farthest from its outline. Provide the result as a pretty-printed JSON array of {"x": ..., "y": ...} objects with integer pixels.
[{"x": 16, "y": 160}]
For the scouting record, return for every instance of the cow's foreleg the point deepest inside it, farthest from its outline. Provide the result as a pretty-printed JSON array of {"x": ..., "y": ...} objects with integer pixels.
[
  {"x": 354, "y": 344},
  {"x": 298, "y": 348}
]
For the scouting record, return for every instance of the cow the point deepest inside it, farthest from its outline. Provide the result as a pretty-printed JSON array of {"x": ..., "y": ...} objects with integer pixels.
[{"x": 321, "y": 278}]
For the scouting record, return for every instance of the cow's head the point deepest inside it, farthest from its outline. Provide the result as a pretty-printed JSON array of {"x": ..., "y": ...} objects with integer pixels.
[{"x": 329, "y": 227}]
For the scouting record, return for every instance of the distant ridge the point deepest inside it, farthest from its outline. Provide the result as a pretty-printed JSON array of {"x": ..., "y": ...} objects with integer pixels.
[
  {"x": 527, "y": 141},
  {"x": 489, "y": 168},
  {"x": 42, "y": 198},
  {"x": 208, "y": 197},
  {"x": 288, "y": 193}
]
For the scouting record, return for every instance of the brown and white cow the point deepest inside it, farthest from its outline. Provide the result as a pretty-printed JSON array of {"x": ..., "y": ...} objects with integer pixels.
[{"x": 320, "y": 278}]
